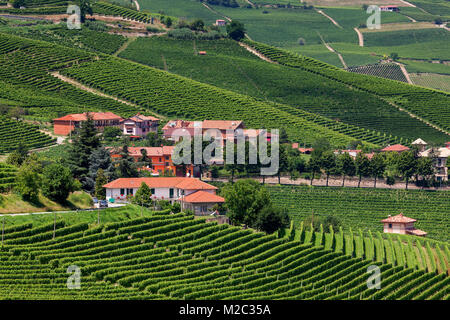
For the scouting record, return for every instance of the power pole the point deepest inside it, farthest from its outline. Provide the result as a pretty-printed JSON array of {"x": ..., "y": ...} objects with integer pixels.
[{"x": 98, "y": 214}]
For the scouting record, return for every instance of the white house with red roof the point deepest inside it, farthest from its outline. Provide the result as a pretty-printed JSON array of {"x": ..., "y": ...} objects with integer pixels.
[
  {"x": 139, "y": 125},
  {"x": 402, "y": 225},
  {"x": 192, "y": 193},
  {"x": 174, "y": 129}
]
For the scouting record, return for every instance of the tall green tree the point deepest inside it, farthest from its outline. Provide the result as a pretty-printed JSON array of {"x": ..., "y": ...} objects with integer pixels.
[
  {"x": 425, "y": 168},
  {"x": 100, "y": 181},
  {"x": 407, "y": 166},
  {"x": 313, "y": 167},
  {"x": 328, "y": 163},
  {"x": 100, "y": 158},
  {"x": 346, "y": 166},
  {"x": 377, "y": 167},
  {"x": 85, "y": 8},
  {"x": 18, "y": 156},
  {"x": 28, "y": 183},
  {"x": 236, "y": 30},
  {"x": 57, "y": 182},
  {"x": 126, "y": 166},
  {"x": 362, "y": 164},
  {"x": 245, "y": 199},
  {"x": 143, "y": 196},
  {"x": 270, "y": 219},
  {"x": 84, "y": 142}
]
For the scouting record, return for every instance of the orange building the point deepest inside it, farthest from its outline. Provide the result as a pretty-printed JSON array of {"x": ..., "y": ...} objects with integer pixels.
[
  {"x": 161, "y": 158},
  {"x": 64, "y": 125}
]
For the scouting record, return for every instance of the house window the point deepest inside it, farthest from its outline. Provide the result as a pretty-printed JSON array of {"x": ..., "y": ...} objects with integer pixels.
[
  {"x": 390, "y": 225},
  {"x": 204, "y": 208},
  {"x": 160, "y": 159},
  {"x": 167, "y": 157},
  {"x": 152, "y": 191},
  {"x": 170, "y": 193},
  {"x": 122, "y": 191},
  {"x": 167, "y": 164},
  {"x": 130, "y": 191}
]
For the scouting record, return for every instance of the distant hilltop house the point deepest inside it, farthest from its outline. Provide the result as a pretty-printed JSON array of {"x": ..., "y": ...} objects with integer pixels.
[
  {"x": 139, "y": 125},
  {"x": 440, "y": 156},
  {"x": 65, "y": 125},
  {"x": 220, "y": 22},
  {"x": 389, "y": 8},
  {"x": 421, "y": 145},
  {"x": 191, "y": 193},
  {"x": 161, "y": 159},
  {"x": 401, "y": 225}
]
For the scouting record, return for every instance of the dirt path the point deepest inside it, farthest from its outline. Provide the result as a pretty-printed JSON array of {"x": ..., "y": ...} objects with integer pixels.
[
  {"x": 214, "y": 11},
  {"x": 334, "y": 51},
  {"x": 138, "y": 7},
  {"x": 405, "y": 73},
  {"x": 98, "y": 93},
  {"x": 330, "y": 18},
  {"x": 125, "y": 45},
  {"x": 360, "y": 37},
  {"x": 256, "y": 53},
  {"x": 412, "y": 20},
  {"x": 250, "y": 3}
]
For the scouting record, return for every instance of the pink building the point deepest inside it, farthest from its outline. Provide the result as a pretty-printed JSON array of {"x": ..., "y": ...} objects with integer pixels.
[
  {"x": 139, "y": 125},
  {"x": 401, "y": 225}
]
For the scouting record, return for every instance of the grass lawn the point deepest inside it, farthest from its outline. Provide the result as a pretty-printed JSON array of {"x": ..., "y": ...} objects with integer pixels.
[
  {"x": 13, "y": 203},
  {"x": 74, "y": 217}
]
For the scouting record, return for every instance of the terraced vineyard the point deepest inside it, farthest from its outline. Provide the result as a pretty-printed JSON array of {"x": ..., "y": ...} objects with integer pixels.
[
  {"x": 364, "y": 208},
  {"x": 106, "y": 8},
  {"x": 7, "y": 177},
  {"x": 428, "y": 104},
  {"x": 179, "y": 257},
  {"x": 386, "y": 70},
  {"x": 13, "y": 132},
  {"x": 25, "y": 77}
]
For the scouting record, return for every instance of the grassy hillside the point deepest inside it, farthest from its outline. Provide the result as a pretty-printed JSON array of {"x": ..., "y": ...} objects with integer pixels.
[
  {"x": 428, "y": 104},
  {"x": 180, "y": 257},
  {"x": 364, "y": 208},
  {"x": 228, "y": 65}
]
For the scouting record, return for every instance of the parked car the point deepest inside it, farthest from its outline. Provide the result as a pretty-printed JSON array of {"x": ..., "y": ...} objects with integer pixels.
[{"x": 103, "y": 204}]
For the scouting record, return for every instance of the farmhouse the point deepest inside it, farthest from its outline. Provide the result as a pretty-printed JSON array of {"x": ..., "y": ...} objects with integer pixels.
[
  {"x": 421, "y": 145},
  {"x": 220, "y": 22},
  {"x": 161, "y": 158},
  {"x": 401, "y": 225},
  {"x": 192, "y": 193},
  {"x": 390, "y": 8},
  {"x": 174, "y": 129},
  {"x": 395, "y": 148},
  {"x": 68, "y": 123},
  {"x": 352, "y": 153},
  {"x": 440, "y": 156},
  {"x": 139, "y": 125}
]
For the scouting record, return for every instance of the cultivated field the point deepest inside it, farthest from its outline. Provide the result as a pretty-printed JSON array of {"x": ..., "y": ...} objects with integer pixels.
[{"x": 162, "y": 256}]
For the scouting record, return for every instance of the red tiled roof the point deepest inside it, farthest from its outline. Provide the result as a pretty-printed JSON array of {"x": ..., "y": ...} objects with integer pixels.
[
  {"x": 151, "y": 151},
  {"x": 140, "y": 118},
  {"x": 395, "y": 147},
  {"x": 202, "y": 196},
  {"x": 303, "y": 150},
  {"x": 206, "y": 124},
  {"x": 160, "y": 182},
  {"x": 417, "y": 232},
  {"x": 400, "y": 218},
  {"x": 95, "y": 116},
  {"x": 295, "y": 145}
]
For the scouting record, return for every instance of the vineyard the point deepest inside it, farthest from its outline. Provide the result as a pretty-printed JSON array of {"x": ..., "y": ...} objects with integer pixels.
[
  {"x": 359, "y": 208},
  {"x": 162, "y": 256},
  {"x": 429, "y": 104},
  {"x": 7, "y": 177},
  {"x": 13, "y": 132},
  {"x": 386, "y": 70}
]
